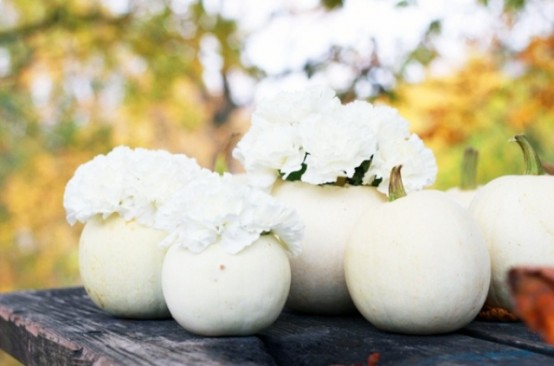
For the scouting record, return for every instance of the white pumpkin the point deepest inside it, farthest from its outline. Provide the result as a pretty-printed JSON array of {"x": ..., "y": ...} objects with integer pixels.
[
  {"x": 515, "y": 215},
  {"x": 462, "y": 196},
  {"x": 120, "y": 265},
  {"x": 215, "y": 293},
  {"x": 329, "y": 214},
  {"x": 418, "y": 265}
]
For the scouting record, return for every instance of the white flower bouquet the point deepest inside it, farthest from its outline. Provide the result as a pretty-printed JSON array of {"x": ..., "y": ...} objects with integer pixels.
[
  {"x": 219, "y": 209},
  {"x": 311, "y": 137},
  {"x": 132, "y": 183}
]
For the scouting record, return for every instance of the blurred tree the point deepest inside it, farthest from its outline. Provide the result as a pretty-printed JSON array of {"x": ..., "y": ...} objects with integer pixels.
[
  {"x": 78, "y": 77},
  {"x": 77, "y": 65},
  {"x": 483, "y": 106}
]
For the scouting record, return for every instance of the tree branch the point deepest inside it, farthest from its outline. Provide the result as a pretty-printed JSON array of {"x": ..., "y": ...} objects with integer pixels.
[{"x": 59, "y": 17}]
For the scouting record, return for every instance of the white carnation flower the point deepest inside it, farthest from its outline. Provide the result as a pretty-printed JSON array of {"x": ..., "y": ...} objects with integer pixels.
[
  {"x": 98, "y": 187},
  {"x": 236, "y": 236},
  {"x": 313, "y": 133},
  {"x": 268, "y": 150},
  {"x": 220, "y": 210},
  {"x": 131, "y": 183},
  {"x": 264, "y": 212},
  {"x": 293, "y": 107},
  {"x": 338, "y": 142},
  {"x": 391, "y": 126},
  {"x": 198, "y": 213},
  {"x": 272, "y": 147},
  {"x": 419, "y": 167}
]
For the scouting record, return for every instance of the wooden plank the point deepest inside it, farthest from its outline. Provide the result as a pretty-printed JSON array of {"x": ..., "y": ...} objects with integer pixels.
[
  {"x": 512, "y": 334},
  {"x": 63, "y": 325},
  {"x": 314, "y": 340}
]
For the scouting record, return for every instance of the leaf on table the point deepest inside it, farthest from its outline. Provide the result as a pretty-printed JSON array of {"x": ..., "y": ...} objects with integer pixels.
[
  {"x": 533, "y": 291},
  {"x": 373, "y": 359}
]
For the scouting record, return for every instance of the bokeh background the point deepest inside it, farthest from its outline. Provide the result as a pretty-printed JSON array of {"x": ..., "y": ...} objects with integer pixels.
[{"x": 78, "y": 77}]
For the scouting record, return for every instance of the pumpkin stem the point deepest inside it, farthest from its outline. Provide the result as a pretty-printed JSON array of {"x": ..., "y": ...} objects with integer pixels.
[
  {"x": 396, "y": 188},
  {"x": 469, "y": 169},
  {"x": 340, "y": 182},
  {"x": 533, "y": 165},
  {"x": 220, "y": 165}
]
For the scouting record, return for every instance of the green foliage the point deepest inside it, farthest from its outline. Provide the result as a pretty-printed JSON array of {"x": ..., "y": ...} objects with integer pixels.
[
  {"x": 509, "y": 5},
  {"x": 332, "y": 4},
  {"x": 297, "y": 175},
  {"x": 359, "y": 173},
  {"x": 405, "y": 3}
]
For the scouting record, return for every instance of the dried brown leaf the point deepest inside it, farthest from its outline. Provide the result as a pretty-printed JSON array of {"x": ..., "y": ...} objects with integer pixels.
[
  {"x": 373, "y": 359},
  {"x": 495, "y": 314},
  {"x": 533, "y": 292}
]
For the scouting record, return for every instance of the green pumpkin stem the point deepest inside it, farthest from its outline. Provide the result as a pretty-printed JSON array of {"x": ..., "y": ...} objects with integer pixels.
[
  {"x": 469, "y": 169},
  {"x": 533, "y": 164},
  {"x": 396, "y": 188}
]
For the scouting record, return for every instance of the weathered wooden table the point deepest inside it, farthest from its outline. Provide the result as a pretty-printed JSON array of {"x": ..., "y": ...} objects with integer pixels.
[{"x": 63, "y": 327}]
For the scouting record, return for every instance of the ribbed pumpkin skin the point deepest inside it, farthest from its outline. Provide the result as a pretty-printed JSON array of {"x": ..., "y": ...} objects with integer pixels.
[
  {"x": 329, "y": 214},
  {"x": 214, "y": 293},
  {"x": 120, "y": 264},
  {"x": 418, "y": 265},
  {"x": 516, "y": 215},
  {"x": 463, "y": 197}
]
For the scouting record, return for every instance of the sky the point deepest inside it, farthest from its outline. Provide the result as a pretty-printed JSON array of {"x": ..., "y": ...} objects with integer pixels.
[{"x": 284, "y": 34}]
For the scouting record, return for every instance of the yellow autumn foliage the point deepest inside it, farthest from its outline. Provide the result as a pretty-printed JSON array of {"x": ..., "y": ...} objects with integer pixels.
[{"x": 483, "y": 106}]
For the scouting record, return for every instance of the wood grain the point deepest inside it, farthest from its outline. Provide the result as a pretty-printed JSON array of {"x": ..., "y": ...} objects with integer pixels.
[
  {"x": 512, "y": 334},
  {"x": 312, "y": 340},
  {"x": 63, "y": 327}
]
